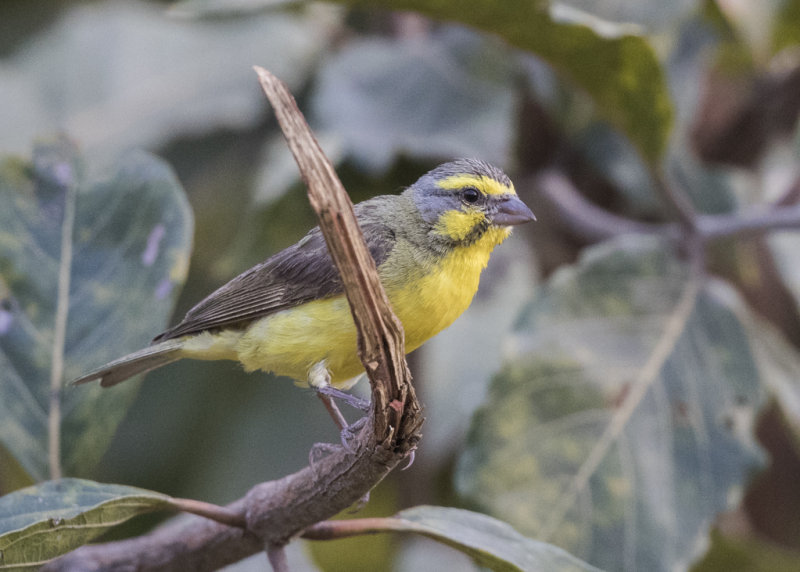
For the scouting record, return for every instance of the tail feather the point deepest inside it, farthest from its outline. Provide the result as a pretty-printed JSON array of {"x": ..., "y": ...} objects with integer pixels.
[{"x": 144, "y": 360}]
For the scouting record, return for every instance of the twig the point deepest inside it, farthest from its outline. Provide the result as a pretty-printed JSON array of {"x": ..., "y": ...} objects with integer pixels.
[
  {"x": 586, "y": 220},
  {"x": 593, "y": 224},
  {"x": 336, "y": 529},
  {"x": 277, "y": 558},
  {"x": 380, "y": 340},
  {"x": 217, "y": 513}
]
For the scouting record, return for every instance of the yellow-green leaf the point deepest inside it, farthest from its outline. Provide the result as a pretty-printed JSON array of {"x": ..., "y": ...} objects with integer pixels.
[
  {"x": 89, "y": 270},
  {"x": 42, "y": 522}
]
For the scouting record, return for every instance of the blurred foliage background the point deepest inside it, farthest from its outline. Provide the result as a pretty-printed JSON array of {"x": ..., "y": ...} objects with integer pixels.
[{"x": 599, "y": 394}]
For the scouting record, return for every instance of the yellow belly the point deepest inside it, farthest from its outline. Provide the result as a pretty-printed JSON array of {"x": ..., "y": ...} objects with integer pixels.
[{"x": 291, "y": 342}]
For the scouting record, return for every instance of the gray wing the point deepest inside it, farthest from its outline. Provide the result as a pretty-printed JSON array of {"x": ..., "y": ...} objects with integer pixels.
[{"x": 298, "y": 274}]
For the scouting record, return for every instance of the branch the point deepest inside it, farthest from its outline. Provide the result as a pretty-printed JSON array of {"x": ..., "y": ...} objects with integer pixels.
[
  {"x": 587, "y": 221},
  {"x": 274, "y": 512},
  {"x": 591, "y": 223},
  {"x": 748, "y": 224}
]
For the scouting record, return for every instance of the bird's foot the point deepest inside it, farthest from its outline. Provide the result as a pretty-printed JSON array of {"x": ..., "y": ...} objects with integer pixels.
[{"x": 348, "y": 435}]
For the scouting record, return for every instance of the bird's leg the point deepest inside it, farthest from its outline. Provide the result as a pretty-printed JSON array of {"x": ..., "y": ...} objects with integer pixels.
[
  {"x": 346, "y": 434},
  {"x": 319, "y": 378},
  {"x": 351, "y": 400},
  {"x": 333, "y": 410},
  {"x": 348, "y": 431}
]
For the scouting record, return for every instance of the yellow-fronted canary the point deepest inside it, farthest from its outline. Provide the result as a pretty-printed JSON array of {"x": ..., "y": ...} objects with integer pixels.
[{"x": 289, "y": 315}]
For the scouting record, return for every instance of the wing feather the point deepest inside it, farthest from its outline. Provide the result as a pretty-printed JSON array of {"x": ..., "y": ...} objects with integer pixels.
[{"x": 298, "y": 274}]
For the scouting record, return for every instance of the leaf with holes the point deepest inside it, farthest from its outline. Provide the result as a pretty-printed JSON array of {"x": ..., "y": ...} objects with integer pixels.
[
  {"x": 624, "y": 414},
  {"x": 89, "y": 270},
  {"x": 41, "y": 522}
]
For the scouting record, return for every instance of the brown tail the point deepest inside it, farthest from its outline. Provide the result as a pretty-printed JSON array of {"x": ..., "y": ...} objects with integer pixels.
[{"x": 144, "y": 360}]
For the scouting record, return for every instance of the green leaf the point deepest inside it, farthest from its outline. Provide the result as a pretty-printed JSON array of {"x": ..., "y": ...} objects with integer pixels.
[
  {"x": 448, "y": 94},
  {"x": 42, "y": 522},
  {"x": 488, "y": 541},
  {"x": 121, "y": 75},
  {"x": 69, "y": 305},
  {"x": 615, "y": 66},
  {"x": 624, "y": 414}
]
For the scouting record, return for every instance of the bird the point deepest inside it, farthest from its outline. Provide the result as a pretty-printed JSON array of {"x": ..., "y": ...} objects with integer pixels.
[{"x": 289, "y": 315}]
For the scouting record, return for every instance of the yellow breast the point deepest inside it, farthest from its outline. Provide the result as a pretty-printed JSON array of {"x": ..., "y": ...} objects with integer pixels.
[
  {"x": 428, "y": 305},
  {"x": 426, "y": 301}
]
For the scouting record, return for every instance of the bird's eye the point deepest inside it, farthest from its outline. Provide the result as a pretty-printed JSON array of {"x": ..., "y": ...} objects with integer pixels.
[{"x": 471, "y": 195}]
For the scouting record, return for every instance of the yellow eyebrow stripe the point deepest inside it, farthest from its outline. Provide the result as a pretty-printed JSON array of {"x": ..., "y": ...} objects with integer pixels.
[{"x": 486, "y": 185}]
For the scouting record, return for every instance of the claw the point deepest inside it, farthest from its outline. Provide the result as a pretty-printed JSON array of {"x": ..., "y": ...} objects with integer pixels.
[
  {"x": 411, "y": 456},
  {"x": 350, "y": 432}
]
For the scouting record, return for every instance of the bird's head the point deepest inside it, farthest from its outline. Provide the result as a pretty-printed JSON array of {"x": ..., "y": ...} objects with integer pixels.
[{"x": 468, "y": 200}]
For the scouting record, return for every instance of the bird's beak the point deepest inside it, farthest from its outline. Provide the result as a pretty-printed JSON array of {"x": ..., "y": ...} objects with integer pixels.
[{"x": 512, "y": 211}]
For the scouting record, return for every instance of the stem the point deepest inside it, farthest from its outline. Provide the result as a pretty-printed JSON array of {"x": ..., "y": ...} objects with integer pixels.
[
  {"x": 277, "y": 558},
  {"x": 336, "y": 529},
  {"x": 380, "y": 340},
  {"x": 60, "y": 328},
  {"x": 217, "y": 513}
]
